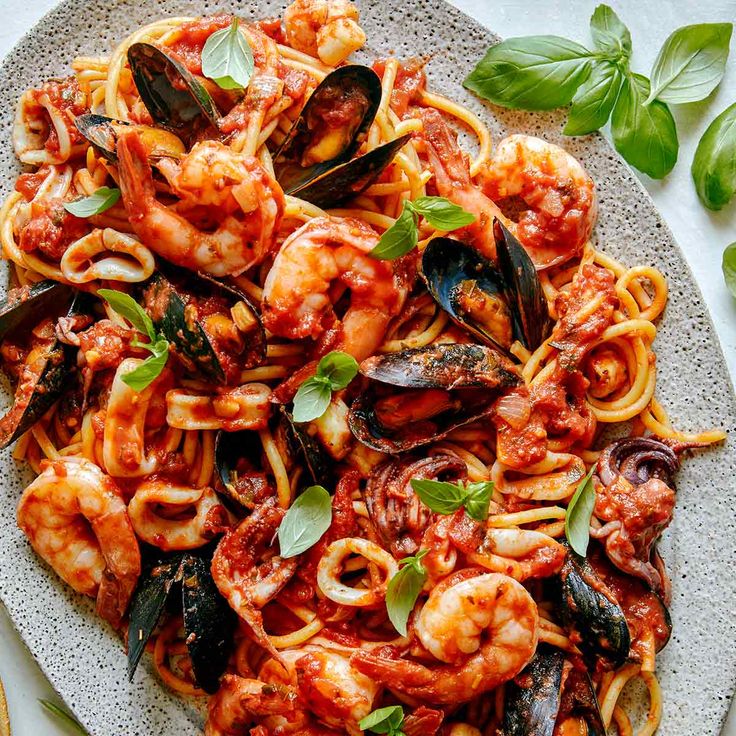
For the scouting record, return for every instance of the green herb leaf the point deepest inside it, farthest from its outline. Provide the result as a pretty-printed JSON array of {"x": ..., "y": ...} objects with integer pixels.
[
  {"x": 338, "y": 369},
  {"x": 99, "y": 201},
  {"x": 579, "y": 511},
  {"x": 307, "y": 519},
  {"x": 691, "y": 63},
  {"x": 645, "y": 136},
  {"x": 63, "y": 716},
  {"x": 129, "y": 308},
  {"x": 531, "y": 72},
  {"x": 729, "y": 268},
  {"x": 594, "y": 100},
  {"x": 441, "y": 213},
  {"x": 446, "y": 498},
  {"x": 150, "y": 369},
  {"x": 404, "y": 589},
  {"x": 227, "y": 59},
  {"x": 478, "y": 499},
  {"x": 399, "y": 239},
  {"x": 714, "y": 164},
  {"x": 312, "y": 399},
  {"x": 384, "y": 720},
  {"x": 608, "y": 32}
]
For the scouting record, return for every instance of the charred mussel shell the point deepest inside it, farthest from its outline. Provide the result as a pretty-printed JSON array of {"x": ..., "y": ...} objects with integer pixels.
[
  {"x": 171, "y": 298},
  {"x": 586, "y": 609},
  {"x": 455, "y": 369},
  {"x": 102, "y": 132},
  {"x": 209, "y": 622},
  {"x": 497, "y": 303},
  {"x": 547, "y": 688},
  {"x": 172, "y": 95},
  {"x": 638, "y": 459},
  {"x": 37, "y": 392}
]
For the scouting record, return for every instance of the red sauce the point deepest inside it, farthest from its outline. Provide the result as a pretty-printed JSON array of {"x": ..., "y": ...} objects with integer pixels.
[
  {"x": 411, "y": 81},
  {"x": 187, "y": 42},
  {"x": 29, "y": 183},
  {"x": 51, "y": 229},
  {"x": 68, "y": 99}
]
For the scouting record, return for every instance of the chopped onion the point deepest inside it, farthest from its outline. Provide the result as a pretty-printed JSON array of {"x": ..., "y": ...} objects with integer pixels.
[{"x": 514, "y": 408}]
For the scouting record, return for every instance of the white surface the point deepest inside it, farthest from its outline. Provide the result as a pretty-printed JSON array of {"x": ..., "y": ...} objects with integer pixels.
[{"x": 701, "y": 234}]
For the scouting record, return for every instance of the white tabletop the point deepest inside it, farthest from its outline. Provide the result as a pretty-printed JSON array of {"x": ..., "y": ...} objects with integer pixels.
[{"x": 701, "y": 234}]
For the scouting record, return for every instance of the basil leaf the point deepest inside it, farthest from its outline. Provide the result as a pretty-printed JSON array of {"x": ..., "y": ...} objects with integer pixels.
[
  {"x": 691, "y": 63},
  {"x": 399, "y": 239},
  {"x": 129, "y": 308},
  {"x": 440, "y": 213},
  {"x": 383, "y": 720},
  {"x": 312, "y": 399},
  {"x": 608, "y": 32},
  {"x": 150, "y": 369},
  {"x": 579, "y": 511},
  {"x": 307, "y": 519},
  {"x": 338, "y": 369},
  {"x": 714, "y": 164},
  {"x": 729, "y": 267},
  {"x": 645, "y": 136},
  {"x": 227, "y": 59},
  {"x": 404, "y": 589},
  {"x": 594, "y": 100},
  {"x": 440, "y": 496},
  {"x": 478, "y": 499},
  {"x": 67, "y": 718},
  {"x": 531, "y": 72},
  {"x": 99, "y": 201}
]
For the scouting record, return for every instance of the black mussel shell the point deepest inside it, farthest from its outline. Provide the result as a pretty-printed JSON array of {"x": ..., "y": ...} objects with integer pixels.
[
  {"x": 302, "y": 444},
  {"x": 349, "y": 179},
  {"x": 172, "y": 95},
  {"x": 25, "y": 305},
  {"x": 102, "y": 133},
  {"x": 352, "y": 92},
  {"x": 230, "y": 448},
  {"x": 170, "y": 300}
]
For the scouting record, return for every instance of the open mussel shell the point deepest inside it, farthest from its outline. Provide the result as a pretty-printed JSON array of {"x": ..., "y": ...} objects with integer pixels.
[
  {"x": 235, "y": 451},
  {"x": 25, "y": 305},
  {"x": 301, "y": 444},
  {"x": 172, "y": 95},
  {"x": 102, "y": 132},
  {"x": 330, "y": 128},
  {"x": 420, "y": 395},
  {"x": 219, "y": 339}
]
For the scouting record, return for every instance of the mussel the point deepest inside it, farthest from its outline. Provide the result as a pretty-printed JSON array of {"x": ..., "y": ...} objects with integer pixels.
[
  {"x": 174, "y": 97},
  {"x": 314, "y": 160},
  {"x": 498, "y": 303},
  {"x": 443, "y": 387},
  {"x": 29, "y": 315},
  {"x": 214, "y": 328},
  {"x": 548, "y": 692},
  {"x": 209, "y": 622},
  {"x": 301, "y": 444}
]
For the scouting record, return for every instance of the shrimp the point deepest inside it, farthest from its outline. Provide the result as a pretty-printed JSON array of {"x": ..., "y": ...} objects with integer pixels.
[
  {"x": 325, "y": 28},
  {"x": 314, "y": 266},
  {"x": 483, "y": 626},
  {"x": 246, "y": 202},
  {"x": 75, "y": 518}
]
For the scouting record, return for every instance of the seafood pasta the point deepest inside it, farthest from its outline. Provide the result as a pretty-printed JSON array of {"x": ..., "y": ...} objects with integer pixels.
[{"x": 319, "y": 404}]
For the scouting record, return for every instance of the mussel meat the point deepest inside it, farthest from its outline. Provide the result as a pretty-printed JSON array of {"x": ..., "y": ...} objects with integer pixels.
[
  {"x": 499, "y": 303},
  {"x": 214, "y": 328},
  {"x": 445, "y": 387},
  {"x": 174, "y": 97},
  {"x": 238, "y": 466}
]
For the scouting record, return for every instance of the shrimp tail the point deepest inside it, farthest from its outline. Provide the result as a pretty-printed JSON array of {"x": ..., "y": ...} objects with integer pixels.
[
  {"x": 391, "y": 671},
  {"x": 136, "y": 177},
  {"x": 445, "y": 157}
]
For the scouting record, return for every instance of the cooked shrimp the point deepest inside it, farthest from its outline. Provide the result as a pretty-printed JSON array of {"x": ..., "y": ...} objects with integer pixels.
[
  {"x": 75, "y": 518},
  {"x": 312, "y": 269},
  {"x": 483, "y": 626},
  {"x": 325, "y": 28},
  {"x": 246, "y": 203}
]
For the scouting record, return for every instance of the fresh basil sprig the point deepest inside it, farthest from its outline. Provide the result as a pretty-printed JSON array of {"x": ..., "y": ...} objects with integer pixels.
[
  {"x": 150, "y": 369},
  {"x": 404, "y": 589},
  {"x": 65, "y": 717},
  {"x": 388, "y": 720},
  {"x": 593, "y": 102},
  {"x": 579, "y": 511},
  {"x": 446, "y": 498},
  {"x": 714, "y": 164},
  {"x": 729, "y": 268},
  {"x": 334, "y": 373},
  {"x": 227, "y": 59},
  {"x": 307, "y": 519},
  {"x": 99, "y": 201},
  {"x": 403, "y": 237},
  {"x": 609, "y": 33}
]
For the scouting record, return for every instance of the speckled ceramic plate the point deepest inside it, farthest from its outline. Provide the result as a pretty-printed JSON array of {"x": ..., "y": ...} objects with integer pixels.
[{"x": 85, "y": 660}]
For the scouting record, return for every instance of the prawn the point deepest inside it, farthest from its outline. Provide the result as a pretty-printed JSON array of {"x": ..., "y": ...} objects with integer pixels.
[
  {"x": 315, "y": 264},
  {"x": 75, "y": 518},
  {"x": 247, "y": 204},
  {"x": 327, "y": 29},
  {"x": 484, "y": 627}
]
